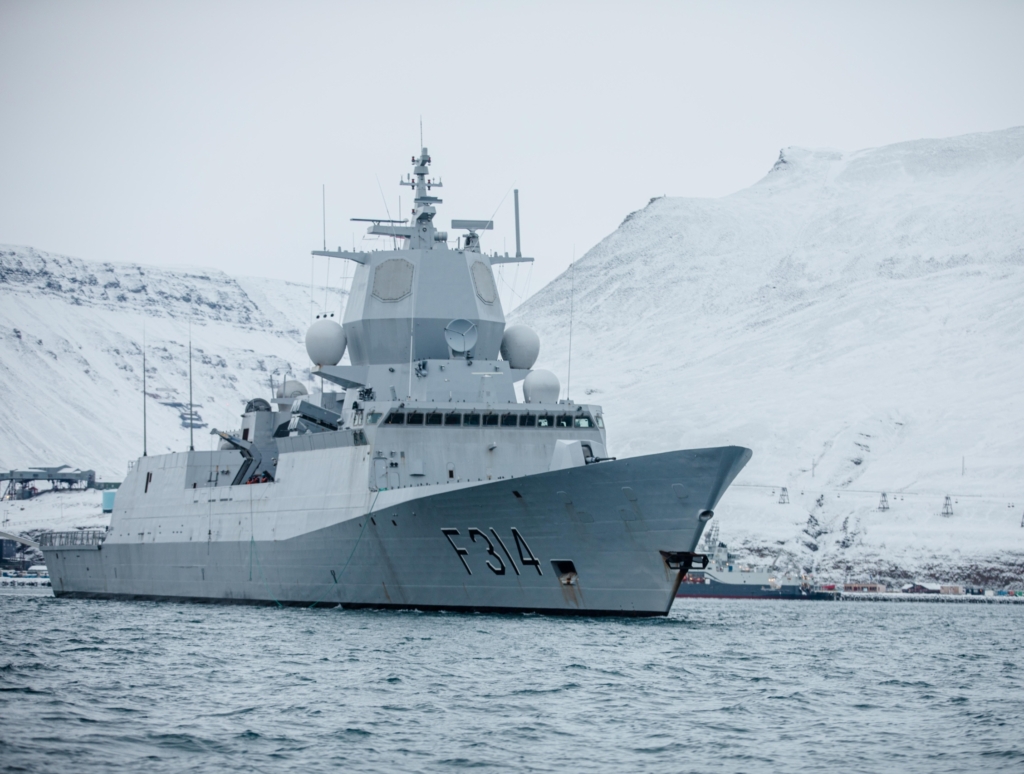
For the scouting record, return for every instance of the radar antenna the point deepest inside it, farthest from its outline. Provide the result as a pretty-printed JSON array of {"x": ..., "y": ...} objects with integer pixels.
[{"x": 472, "y": 226}]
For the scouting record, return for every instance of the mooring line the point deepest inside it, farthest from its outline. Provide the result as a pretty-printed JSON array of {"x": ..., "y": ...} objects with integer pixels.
[{"x": 351, "y": 554}]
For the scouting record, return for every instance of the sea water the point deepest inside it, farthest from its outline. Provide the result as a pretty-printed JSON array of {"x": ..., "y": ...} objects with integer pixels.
[{"x": 718, "y": 686}]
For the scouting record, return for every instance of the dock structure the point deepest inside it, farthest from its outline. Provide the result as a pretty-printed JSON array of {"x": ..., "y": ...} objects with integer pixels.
[{"x": 20, "y": 483}]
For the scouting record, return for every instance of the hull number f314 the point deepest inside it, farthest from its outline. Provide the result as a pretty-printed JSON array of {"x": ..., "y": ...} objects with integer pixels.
[{"x": 526, "y": 556}]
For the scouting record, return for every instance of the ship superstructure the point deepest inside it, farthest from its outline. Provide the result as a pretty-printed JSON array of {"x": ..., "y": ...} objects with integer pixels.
[{"x": 417, "y": 478}]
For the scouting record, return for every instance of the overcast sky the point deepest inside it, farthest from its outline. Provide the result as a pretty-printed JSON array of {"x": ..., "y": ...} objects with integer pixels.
[{"x": 201, "y": 133}]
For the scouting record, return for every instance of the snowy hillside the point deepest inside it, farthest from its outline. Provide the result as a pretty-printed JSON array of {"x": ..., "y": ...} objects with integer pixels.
[
  {"x": 857, "y": 319},
  {"x": 71, "y": 355},
  {"x": 854, "y": 318}
]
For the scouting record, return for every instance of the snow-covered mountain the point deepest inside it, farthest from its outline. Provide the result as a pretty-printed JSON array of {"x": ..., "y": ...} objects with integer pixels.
[
  {"x": 854, "y": 318},
  {"x": 71, "y": 337},
  {"x": 857, "y": 319}
]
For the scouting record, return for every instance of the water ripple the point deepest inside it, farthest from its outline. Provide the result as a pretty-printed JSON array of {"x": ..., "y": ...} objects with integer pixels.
[{"x": 719, "y": 686}]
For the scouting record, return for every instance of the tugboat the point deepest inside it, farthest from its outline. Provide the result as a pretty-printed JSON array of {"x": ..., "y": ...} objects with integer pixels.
[{"x": 423, "y": 482}]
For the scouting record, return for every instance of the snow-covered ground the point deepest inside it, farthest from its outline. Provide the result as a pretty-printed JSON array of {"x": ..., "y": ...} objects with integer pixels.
[
  {"x": 854, "y": 318},
  {"x": 57, "y": 511}
]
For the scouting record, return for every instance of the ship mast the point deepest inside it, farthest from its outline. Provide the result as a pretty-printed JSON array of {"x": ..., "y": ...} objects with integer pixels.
[{"x": 423, "y": 234}]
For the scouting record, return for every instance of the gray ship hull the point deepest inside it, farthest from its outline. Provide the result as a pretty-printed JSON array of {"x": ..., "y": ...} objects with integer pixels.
[{"x": 584, "y": 540}]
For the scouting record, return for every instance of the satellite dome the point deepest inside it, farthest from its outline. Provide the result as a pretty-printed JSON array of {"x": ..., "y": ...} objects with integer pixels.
[
  {"x": 541, "y": 387},
  {"x": 520, "y": 346},
  {"x": 292, "y": 388},
  {"x": 325, "y": 342}
]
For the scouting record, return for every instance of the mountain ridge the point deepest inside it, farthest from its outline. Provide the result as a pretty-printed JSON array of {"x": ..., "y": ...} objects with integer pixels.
[
  {"x": 77, "y": 327},
  {"x": 852, "y": 317}
]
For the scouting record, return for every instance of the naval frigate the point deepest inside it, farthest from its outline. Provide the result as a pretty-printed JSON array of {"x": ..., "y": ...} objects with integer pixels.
[{"x": 415, "y": 477}]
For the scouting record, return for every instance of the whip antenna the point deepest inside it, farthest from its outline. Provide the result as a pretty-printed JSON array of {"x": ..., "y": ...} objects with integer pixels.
[
  {"x": 143, "y": 389},
  {"x": 191, "y": 445},
  {"x": 519, "y": 253},
  {"x": 572, "y": 290}
]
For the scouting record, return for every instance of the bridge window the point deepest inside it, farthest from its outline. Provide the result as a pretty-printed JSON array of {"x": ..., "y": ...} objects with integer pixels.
[
  {"x": 564, "y": 420},
  {"x": 434, "y": 419},
  {"x": 527, "y": 420},
  {"x": 374, "y": 418},
  {"x": 583, "y": 421},
  {"x": 471, "y": 420},
  {"x": 600, "y": 420},
  {"x": 490, "y": 420},
  {"x": 453, "y": 419},
  {"x": 545, "y": 420},
  {"x": 508, "y": 420},
  {"x": 395, "y": 418},
  {"x": 415, "y": 418}
]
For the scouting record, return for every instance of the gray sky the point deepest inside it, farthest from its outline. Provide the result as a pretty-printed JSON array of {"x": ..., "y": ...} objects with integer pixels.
[{"x": 200, "y": 133}]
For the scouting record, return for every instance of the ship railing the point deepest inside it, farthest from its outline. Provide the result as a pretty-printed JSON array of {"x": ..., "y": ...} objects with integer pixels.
[{"x": 78, "y": 537}]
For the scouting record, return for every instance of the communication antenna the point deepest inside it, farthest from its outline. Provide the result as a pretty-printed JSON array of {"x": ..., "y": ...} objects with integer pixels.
[
  {"x": 143, "y": 388},
  {"x": 387, "y": 209},
  {"x": 519, "y": 253},
  {"x": 191, "y": 444},
  {"x": 572, "y": 290},
  {"x": 327, "y": 284}
]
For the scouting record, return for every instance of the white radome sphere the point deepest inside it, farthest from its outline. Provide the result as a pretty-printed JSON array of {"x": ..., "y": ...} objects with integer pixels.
[
  {"x": 541, "y": 387},
  {"x": 292, "y": 388},
  {"x": 325, "y": 342},
  {"x": 520, "y": 346}
]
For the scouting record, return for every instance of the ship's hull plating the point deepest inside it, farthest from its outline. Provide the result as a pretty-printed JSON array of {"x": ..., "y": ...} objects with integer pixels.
[{"x": 498, "y": 546}]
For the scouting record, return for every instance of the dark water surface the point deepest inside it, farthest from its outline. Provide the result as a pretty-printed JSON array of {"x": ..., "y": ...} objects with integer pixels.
[{"x": 719, "y": 686}]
